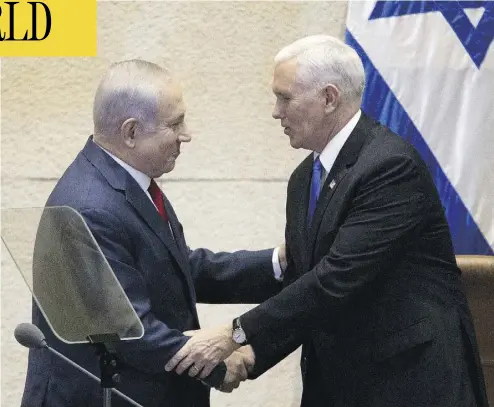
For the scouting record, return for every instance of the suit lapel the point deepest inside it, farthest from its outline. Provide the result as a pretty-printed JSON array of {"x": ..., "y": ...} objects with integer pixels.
[
  {"x": 137, "y": 198},
  {"x": 181, "y": 246},
  {"x": 121, "y": 180},
  {"x": 177, "y": 232},
  {"x": 141, "y": 203},
  {"x": 327, "y": 192},
  {"x": 345, "y": 159}
]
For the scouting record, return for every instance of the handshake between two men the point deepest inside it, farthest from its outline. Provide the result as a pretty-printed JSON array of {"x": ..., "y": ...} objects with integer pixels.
[{"x": 206, "y": 349}]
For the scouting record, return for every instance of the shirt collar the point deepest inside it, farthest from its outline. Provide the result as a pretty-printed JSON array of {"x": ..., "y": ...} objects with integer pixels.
[
  {"x": 333, "y": 148},
  {"x": 142, "y": 179}
]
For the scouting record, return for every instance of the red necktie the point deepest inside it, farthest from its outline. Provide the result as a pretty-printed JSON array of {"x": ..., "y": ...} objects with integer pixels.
[{"x": 157, "y": 196}]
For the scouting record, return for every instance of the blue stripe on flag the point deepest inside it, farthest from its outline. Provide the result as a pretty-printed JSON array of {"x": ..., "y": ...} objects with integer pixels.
[
  {"x": 387, "y": 8},
  {"x": 401, "y": 8},
  {"x": 381, "y": 104},
  {"x": 475, "y": 40}
]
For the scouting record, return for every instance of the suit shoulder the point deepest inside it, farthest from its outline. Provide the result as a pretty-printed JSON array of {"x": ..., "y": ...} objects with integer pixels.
[
  {"x": 81, "y": 187},
  {"x": 387, "y": 153},
  {"x": 385, "y": 145}
]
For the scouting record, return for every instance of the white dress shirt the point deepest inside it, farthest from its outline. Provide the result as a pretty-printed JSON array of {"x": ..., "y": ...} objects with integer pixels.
[
  {"x": 333, "y": 148},
  {"x": 327, "y": 158}
]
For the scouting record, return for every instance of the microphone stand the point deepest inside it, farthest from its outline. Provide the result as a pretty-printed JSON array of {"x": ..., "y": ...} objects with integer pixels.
[
  {"x": 30, "y": 336},
  {"x": 105, "y": 391},
  {"x": 108, "y": 362}
]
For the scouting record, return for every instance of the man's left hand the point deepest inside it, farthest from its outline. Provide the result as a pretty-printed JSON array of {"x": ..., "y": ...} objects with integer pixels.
[{"x": 203, "y": 351}]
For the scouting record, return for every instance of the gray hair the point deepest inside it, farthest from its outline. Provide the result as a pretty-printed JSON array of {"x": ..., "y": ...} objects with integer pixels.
[
  {"x": 325, "y": 60},
  {"x": 130, "y": 89}
]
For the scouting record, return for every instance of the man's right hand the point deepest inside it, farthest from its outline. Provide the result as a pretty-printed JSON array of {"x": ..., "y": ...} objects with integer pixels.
[{"x": 238, "y": 365}]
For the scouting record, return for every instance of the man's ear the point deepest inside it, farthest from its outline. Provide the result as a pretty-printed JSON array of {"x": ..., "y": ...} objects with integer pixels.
[
  {"x": 128, "y": 132},
  {"x": 332, "y": 98}
]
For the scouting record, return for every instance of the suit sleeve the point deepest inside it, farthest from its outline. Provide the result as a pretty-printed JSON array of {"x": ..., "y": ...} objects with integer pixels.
[
  {"x": 389, "y": 208},
  {"x": 241, "y": 277},
  {"x": 160, "y": 342},
  {"x": 280, "y": 344}
]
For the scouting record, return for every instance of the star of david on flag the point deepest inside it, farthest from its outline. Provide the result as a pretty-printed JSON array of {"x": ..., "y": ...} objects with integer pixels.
[{"x": 429, "y": 68}]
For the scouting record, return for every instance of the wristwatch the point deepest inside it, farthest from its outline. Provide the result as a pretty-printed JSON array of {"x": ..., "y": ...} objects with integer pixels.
[{"x": 238, "y": 334}]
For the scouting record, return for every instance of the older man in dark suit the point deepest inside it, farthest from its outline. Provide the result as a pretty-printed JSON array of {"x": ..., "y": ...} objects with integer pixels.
[
  {"x": 372, "y": 290},
  {"x": 139, "y": 126}
]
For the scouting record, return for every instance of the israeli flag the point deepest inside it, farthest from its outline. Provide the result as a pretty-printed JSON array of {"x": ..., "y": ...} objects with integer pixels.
[{"x": 430, "y": 78}]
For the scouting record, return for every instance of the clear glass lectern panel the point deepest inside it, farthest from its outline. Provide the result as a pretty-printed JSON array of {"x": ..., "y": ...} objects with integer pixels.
[{"x": 68, "y": 275}]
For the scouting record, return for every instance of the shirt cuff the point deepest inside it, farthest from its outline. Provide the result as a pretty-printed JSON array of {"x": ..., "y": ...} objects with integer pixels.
[{"x": 278, "y": 273}]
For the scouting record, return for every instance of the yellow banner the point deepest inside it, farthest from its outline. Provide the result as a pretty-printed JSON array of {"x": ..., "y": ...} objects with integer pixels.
[{"x": 48, "y": 28}]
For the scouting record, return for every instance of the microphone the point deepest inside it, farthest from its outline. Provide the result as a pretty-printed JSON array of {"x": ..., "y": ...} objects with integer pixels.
[{"x": 30, "y": 336}]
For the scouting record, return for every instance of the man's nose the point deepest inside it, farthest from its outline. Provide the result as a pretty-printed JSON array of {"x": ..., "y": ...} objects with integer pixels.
[
  {"x": 276, "y": 112},
  {"x": 184, "y": 136}
]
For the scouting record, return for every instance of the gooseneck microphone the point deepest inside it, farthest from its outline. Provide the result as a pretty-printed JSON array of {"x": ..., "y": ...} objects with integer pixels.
[{"x": 30, "y": 336}]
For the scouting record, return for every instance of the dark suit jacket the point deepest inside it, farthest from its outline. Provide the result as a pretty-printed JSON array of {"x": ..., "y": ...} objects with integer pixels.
[
  {"x": 162, "y": 278},
  {"x": 372, "y": 289}
]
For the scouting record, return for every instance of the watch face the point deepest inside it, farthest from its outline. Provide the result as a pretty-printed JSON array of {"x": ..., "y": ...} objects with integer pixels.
[{"x": 239, "y": 336}]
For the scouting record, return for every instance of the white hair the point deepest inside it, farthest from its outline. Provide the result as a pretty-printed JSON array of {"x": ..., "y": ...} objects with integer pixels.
[
  {"x": 324, "y": 60},
  {"x": 130, "y": 89}
]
